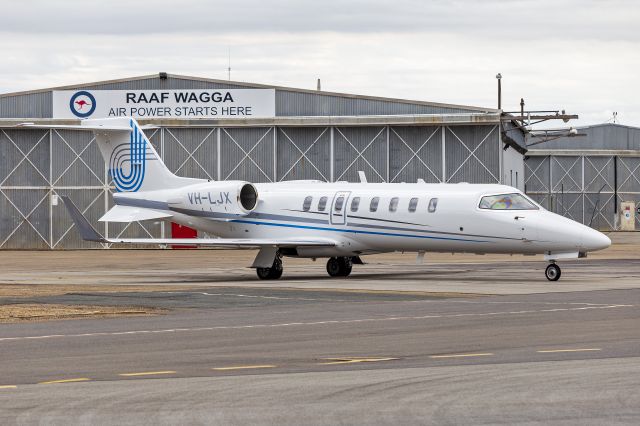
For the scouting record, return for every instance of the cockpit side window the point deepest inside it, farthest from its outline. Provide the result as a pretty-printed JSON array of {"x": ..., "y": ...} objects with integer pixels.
[{"x": 513, "y": 201}]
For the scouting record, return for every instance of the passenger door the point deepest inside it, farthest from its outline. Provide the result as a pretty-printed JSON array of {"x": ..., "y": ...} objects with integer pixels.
[{"x": 338, "y": 214}]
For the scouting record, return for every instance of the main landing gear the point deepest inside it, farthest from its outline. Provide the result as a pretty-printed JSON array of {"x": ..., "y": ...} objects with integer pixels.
[
  {"x": 336, "y": 267},
  {"x": 339, "y": 266},
  {"x": 553, "y": 272},
  {"x": 272, "y": 273}
]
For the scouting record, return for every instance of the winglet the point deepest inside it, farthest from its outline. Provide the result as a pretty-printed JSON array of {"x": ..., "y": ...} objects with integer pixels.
[{"x": 87, "y": 231}]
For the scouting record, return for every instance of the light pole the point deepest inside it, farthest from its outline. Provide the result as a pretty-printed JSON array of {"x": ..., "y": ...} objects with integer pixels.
[{"x": 499, "y": 77}]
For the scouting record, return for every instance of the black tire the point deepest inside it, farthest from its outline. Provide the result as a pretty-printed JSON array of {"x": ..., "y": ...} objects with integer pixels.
[
  {"x": 339, "y": 266},
  {"x": 276, "y": 274},
  {"x": 553, "y": 272},
  {"x": 263, "y": 273},
  {"x": 334, "y": 267},
  {"x": 345, "y": 265},
  {"x": 276, "y": 269},
  {"x": 272, "y": 273}
]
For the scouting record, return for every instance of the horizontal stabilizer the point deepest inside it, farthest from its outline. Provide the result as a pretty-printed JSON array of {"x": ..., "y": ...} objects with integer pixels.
[{"x": 126, "y": 214}]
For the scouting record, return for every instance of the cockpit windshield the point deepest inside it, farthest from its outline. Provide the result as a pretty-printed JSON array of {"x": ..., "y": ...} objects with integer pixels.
[{"x": 513, "y": 201}]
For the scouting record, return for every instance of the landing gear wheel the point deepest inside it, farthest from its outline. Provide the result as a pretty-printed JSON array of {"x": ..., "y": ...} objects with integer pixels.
[
  {"x": 272, "y": 273},
  {"x": 263, "y": 273},
  {"x": 333, "y": 267},
  {"x": 276, "y": 269},
  {"x": 553, "y": 272},
  {"x": 347, "y": 265},
  {"x": 339, "y": 266}
]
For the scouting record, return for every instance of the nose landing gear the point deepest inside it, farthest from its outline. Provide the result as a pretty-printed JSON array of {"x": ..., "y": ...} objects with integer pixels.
[
  {"x": 553, "y": 272},
  {"x": 339, "y": 266}
]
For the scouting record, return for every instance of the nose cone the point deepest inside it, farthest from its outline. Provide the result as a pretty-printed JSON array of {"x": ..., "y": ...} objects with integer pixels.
[{"x": 593, "y": 240}]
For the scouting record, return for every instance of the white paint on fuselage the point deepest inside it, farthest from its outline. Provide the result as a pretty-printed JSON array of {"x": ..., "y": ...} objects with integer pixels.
[{"x": 457, "y": 225}]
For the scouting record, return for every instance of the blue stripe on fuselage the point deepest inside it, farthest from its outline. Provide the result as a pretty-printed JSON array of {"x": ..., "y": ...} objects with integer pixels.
[{"x": 349, "y": 231}]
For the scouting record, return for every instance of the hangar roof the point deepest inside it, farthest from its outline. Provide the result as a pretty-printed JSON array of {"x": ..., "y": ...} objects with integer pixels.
[
  {"x": 290, "y": 102},
  {"x": 600, "y": 137}
]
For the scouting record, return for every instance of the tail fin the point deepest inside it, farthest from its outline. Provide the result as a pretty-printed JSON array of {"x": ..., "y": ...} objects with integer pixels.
[{"x": 132, "y": 161}]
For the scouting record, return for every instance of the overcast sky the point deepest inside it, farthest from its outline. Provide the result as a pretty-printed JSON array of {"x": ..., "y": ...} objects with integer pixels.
[{"x": 578, "y": 55}]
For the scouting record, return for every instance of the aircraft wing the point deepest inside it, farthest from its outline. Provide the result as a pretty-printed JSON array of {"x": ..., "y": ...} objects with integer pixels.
[
  {"x": 89, "y": 233},
  {"x": 223, "y": 242}
]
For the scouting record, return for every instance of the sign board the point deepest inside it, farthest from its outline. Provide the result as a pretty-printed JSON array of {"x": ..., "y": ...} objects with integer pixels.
[{"x": 210, "y": 103}]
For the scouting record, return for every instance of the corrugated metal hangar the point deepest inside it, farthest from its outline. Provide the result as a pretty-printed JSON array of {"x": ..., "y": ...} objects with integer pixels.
[
  {"x": 220, "y": 130},
  {"x": 587, "y": 178}
]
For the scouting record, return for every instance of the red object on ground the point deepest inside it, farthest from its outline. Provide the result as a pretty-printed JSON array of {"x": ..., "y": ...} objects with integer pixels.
[{"x": 179, "y": 231}]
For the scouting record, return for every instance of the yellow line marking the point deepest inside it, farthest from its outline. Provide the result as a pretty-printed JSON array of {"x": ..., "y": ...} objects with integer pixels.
[
  {"x": 146, "y": 373},
  {"x": 8, "y": 387},
  {"x": 79, "y": 379},
  {"x": 549, "y": 351},
  {"x": 243, "y": 367},
  {"x": 333, "y": 361},
  {"x": 460, "y": 355}
]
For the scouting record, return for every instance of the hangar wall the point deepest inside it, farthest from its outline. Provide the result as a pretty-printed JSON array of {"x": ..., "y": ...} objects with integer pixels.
[
  {"x": 586, "y": 188},
  {"x": 586, "y": 179},
  {"x": 37, "y": 165}
]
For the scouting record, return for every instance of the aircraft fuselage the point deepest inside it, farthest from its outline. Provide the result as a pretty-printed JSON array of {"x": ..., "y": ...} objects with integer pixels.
[{"x": 403, "y": 217}]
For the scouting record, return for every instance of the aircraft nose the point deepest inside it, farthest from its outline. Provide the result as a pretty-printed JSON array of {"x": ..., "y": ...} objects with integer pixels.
[{"x": 594, "y": 240}]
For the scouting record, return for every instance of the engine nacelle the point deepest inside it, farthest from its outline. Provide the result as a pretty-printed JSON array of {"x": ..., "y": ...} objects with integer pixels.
[{"x": 230, "y": 197}]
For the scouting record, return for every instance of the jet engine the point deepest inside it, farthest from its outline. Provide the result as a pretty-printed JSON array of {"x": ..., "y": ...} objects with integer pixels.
[{"x": 237, "y": 198}]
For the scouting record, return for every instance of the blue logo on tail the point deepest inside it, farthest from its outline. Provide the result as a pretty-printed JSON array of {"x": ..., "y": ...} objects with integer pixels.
[{"x": 128, "y": 161}]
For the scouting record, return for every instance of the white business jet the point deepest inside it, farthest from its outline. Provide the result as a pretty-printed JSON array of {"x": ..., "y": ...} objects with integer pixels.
[{"x": 341, "y": 221}]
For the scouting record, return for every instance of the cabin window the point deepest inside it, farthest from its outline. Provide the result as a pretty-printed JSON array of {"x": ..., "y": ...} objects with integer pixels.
[
  {"x": 413, "y": 205},
  {"x": 433, "y": 203},
  {"x": 339, "y": 203},
  {"x": 307, "y": 203},
  {"x": 507, "y": 202},
  {"x": 322, "y": 204},
  {"x": 393, "y": 204},
  {"x": 355, "y": 203},
  {"x": 374, "y": 204}
]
